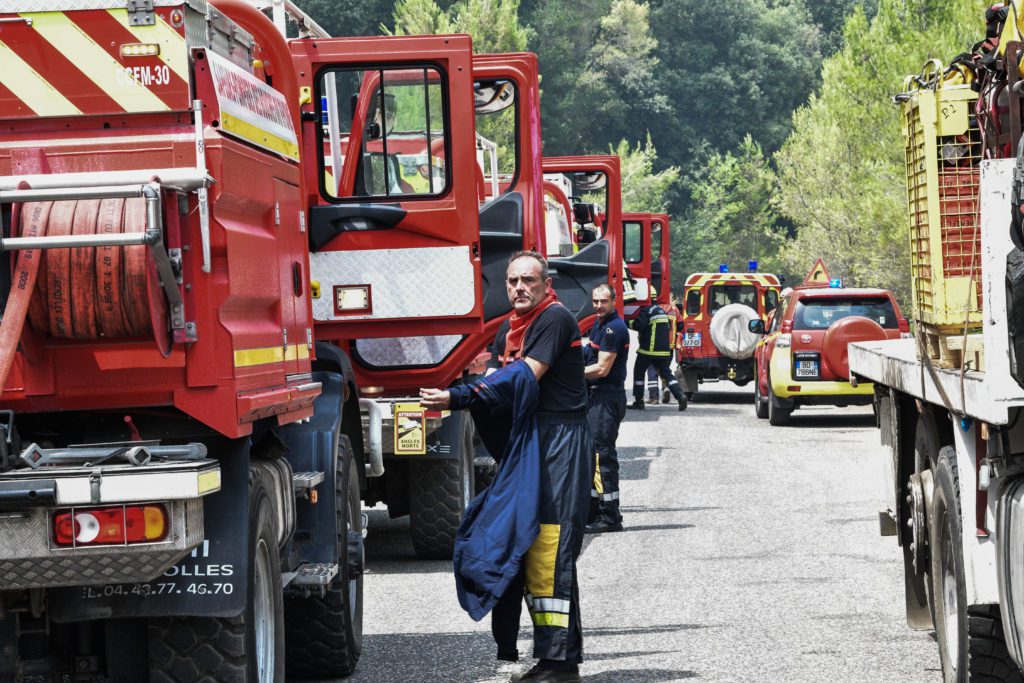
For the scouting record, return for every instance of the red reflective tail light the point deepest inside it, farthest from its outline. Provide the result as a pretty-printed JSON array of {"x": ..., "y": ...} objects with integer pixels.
[{"x": 119, "y": 525}]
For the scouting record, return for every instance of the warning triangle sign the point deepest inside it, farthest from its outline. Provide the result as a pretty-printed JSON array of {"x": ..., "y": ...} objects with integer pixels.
[{"x": 818, "y": 275}]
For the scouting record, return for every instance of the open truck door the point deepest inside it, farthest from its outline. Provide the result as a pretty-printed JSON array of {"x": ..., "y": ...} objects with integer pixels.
[
  {"x": 499, "y": 125},
  {"x": 645, "y": 253},
  {"x": 393, "y": 222},
  {"x": 661, "y": 254},
  {"x": 595, "y": 197},
  {"x": 636, "y": 262}
]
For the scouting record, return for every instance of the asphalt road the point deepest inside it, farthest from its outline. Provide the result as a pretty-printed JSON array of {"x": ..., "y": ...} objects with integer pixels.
[{"x": 751, "y": 553}]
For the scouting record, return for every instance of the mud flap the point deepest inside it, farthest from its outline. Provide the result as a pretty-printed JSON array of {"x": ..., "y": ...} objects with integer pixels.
[{"x": 210, "y": 582}]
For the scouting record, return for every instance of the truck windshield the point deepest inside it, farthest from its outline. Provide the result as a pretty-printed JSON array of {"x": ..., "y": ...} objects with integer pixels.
[
  {"x": 723, "y": 295},
  {"x": 818, "y": 314}
]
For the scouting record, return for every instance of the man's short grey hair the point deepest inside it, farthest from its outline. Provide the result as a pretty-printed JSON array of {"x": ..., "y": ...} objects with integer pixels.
[
  {"x": 536, "y": 256},
  {"x": 607, "y": 288}
]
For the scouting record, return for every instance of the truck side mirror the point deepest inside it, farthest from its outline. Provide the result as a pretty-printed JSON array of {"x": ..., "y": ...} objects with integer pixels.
[
  {"x": 586, "y": 235},
  {"x": 583, "y": 213},
  {"x": 756, "y": 326}
]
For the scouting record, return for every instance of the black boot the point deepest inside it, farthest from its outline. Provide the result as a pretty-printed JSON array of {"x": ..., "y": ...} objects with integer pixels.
[{"x": 638, "y": 404}]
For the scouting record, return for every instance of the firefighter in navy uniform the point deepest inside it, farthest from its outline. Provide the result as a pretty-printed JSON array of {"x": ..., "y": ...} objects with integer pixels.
[
  {"x": 657, "y": 330},
  {"x": 545, "y": 335},
  {"x": 606, "y": 356}
]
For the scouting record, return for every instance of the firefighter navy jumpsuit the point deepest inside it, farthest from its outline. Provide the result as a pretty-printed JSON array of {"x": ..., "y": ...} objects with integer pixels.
[
  {"x": 547, "y": 579},
  {"x": 656, "y": 330},
  {"x": 605, "y": 412}
]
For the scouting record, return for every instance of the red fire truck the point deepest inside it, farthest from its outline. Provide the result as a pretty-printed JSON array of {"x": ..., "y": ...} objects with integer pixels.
[{"x": 182, "y": 445}]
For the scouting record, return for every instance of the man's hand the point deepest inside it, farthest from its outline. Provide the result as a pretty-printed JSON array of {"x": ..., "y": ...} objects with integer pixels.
[{"x": 435, "y": 399}]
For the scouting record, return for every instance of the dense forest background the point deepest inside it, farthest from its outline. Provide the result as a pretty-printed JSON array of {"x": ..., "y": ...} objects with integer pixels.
[{"x": 765, "y": 128}]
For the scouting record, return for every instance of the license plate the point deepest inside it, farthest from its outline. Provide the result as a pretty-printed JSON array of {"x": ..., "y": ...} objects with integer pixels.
[
  {"x": 807, "y": 368},
  {"x": 691, "y": 339}
]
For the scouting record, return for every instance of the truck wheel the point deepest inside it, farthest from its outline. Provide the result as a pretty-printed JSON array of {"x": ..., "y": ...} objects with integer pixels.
[
  {"x": 248, "y": 648},
  {"x": 777, "y": 415},
  {"x": 971, "y": 643},
  {"x": 760, "y": 402},
  {"x": 325, "y": 634},
  {"x": 439, "y": 492}
]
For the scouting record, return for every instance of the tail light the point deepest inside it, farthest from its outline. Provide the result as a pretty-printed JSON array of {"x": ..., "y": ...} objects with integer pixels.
[
  {"x": 904, "y": 325},
  {"x": 119, "y": 525},
  {"x": 786, "y": 326},
  {"x": 784, "y": 340}
]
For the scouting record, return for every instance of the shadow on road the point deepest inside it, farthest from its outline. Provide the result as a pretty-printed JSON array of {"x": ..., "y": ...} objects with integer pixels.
[
  {"x": 656, "y": 527},
  {"x": 639, "y": 676},
  {"x": 831, "y": 419},
  {"x": 641, "y": 630},
  {"x": 723, "y": 398}
]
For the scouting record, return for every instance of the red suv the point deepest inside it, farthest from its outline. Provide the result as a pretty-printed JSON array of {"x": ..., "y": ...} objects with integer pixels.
[{"x": 802, "y": 358}]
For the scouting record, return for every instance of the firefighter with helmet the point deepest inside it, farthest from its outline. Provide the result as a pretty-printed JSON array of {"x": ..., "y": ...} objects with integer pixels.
[{"x": 657, "y": 332}]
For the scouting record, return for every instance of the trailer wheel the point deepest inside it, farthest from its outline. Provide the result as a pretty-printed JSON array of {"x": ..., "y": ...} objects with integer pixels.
[
  {"x": 760, "y": 401},
  {"x": 777, "y": 414},
  {"x": 439, "y": 492},
  {"x": 248, "y": 648},
  {"x": 971, "y": 642},
  {"x": 325, "y": 635}
]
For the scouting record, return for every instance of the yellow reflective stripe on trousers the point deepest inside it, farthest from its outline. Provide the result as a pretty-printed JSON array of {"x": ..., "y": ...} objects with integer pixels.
[
  {"x": 550, "y": 619},
  {"x": 540, "y": 560},
  {"x": 598, "y": 485}
]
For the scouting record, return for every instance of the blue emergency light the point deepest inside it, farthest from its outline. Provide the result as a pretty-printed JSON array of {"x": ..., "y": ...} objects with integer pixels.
[
  {"x": 323, "y": 109},
  {"x": 752, "y": 266},
  {"x": 723, "y": 268},
  {"x": 835, "y": 283}
]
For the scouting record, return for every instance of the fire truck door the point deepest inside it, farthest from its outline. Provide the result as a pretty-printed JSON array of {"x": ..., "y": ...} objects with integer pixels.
[
  {"x": 660, "y": 255},
  {"x": 599, "y": 262},
  {"x": 394, "y": 228},
  {"x": 636, "y": 257}
]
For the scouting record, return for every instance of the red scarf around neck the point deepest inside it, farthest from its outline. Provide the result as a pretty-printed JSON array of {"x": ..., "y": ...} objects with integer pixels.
[{"x": 519, "y": 324}]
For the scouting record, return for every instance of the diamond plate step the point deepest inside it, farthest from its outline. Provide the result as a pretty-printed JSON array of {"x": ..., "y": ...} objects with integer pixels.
[
  {"x": 304, "y": 482},
  {"x": 310, "y": 576}
]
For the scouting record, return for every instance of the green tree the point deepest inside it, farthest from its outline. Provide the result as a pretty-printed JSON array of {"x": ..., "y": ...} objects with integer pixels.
[
  {"x": 494, "y": 24},
  {"x": 842, "y": 180},
  {"x": 642, "y": 188},
  {"x": 732, "y": 219},
  {"x": 600, "y": 73},
  {"x": 418, "y": 17},
  {"x": 738, "y": 69},
  {"x": 348, "y": 18}
]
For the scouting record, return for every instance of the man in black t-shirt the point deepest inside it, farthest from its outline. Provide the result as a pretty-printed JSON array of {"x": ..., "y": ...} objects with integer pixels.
[
  {"x": 606, "y": 358},
  {"x": 545, "y": 335}
]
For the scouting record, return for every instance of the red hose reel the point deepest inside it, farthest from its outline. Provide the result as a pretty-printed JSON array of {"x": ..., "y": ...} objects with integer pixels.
[{"x": 110, "y": 292}]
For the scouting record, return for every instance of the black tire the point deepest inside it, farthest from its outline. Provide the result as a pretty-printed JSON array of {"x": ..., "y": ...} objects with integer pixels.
[
  {"x": 325, "y": 635},
  {"x": 777, "y": 414},
  {"x": 439, "y": 491},
  {"x": 971, "y": 642},
  {"x": 760, "y": 402},
  {"x": 218, "y": 650}
]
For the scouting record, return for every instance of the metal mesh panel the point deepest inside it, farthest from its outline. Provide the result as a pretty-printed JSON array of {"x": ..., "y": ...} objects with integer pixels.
[{"x": 942, "y": 152}]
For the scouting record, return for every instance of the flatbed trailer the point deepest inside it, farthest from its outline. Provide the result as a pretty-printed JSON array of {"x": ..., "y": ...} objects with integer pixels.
[{"x": 954, "y": 471}]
